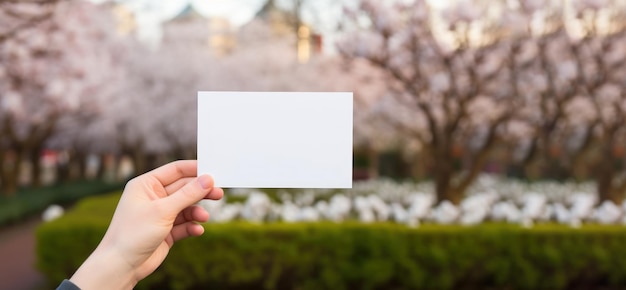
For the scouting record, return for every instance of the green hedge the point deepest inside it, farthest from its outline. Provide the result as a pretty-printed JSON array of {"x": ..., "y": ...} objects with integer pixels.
[
  {"x": 30, "y": 201},
  {"x": 357, "y": 256}
]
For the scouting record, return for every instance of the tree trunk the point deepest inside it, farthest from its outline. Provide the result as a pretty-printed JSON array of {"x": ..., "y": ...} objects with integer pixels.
[
  {"x": 533, "y": 169},
  {"x": 63, "y": 172},
  {"x": 418, "y": 167},
  {"x": 3, "y": 178},
  {"x": 373, "y": 163},
  {"x": 101, "y": 170},
  {"x": 151, "y": 161},
  {"x": 580, "y": 171},
  {"x": 10, "y": 173},
  {"x": 116, "y": 165},
  {"x": 139, "y": 161},
  {"x": 63, "y": 167},
  {"x": 192, "y": 152},
  {"x": 9, "y": 184},
  {"x": 34, "y": 157},
  {"x": 78, "y": 165},
  {"x": 443, "y": 172},
  {"x": 443, "y": 186},
  {"x": 179, "y": 153},
  {"x": 604, "y": 179},
  {"x": 604, "y": 184}
]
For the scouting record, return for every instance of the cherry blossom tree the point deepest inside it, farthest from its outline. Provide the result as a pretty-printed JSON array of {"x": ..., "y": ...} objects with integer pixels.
[
  {"x": 597, "y": 114},
  {"x": 279, "y": 70},
  {"x": 542, "y": 77},
  {"x": 17, "y": 15},
  {"x": 153, "y": 114},
  {"x": 51, "y": 70},
  {"x": 448, "y": 88},
  {"x": 572, "y": 66},
  {"x": 549, "y": 57}
]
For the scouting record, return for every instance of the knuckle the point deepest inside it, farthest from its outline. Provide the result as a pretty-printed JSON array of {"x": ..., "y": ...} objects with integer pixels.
[{"x": 188, "y": 191}]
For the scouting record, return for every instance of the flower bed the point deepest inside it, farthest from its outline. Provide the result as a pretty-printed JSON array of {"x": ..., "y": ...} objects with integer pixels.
[{"x": 490, "y": 199}]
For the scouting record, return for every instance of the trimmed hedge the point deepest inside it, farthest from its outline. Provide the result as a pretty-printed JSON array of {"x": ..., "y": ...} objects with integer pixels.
[
  {"x": 356, "y": 256},
  {"x": 31, "y": 201}
]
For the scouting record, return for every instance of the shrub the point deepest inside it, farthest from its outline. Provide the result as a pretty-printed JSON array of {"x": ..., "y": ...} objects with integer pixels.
[
  {"x": 31, "y": 201},
  {"x": 356, "y": 256}
]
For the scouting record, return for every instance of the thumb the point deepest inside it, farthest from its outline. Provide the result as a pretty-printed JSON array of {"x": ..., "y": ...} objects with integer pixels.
[{"x": 191, "y": 193}]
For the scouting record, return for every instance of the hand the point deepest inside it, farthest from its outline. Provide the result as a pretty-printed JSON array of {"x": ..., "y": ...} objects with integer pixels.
[{"x": 156, "y": 209}]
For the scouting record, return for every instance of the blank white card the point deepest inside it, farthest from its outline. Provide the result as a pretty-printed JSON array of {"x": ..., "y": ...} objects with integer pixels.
[{"x": 275, "y": 139}]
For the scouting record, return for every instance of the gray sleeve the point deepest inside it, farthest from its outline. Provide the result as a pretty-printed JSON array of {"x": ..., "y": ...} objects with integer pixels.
[{"x": 67, "y": 285}]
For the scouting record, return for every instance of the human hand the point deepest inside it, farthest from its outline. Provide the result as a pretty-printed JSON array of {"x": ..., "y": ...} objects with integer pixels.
[{"x": 156, "y": 209}]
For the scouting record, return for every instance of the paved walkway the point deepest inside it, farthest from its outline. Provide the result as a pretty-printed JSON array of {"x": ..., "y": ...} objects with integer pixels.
[{"x": 17, "y": 258}]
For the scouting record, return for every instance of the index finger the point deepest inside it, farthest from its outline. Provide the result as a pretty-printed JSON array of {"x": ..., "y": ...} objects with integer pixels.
[{"x": 171, "y": 172}]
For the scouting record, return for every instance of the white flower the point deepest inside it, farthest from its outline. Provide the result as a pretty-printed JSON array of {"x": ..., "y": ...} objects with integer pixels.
[
  {"x": 379, "y": 207},
  {"x": 608, "y": 213},
  {"x": 421, "y": 205},
  {"x": 400, "y": 215},
  {"x": 582, "y": 204},
  {"x": 52, "y": 212},
  {"x": 339, "y": 208},
  {"x": 309, "y": 214},
  {"x": 506, "y": 211},
  {"x": 228, "y": 213},
  {"x": 290, "y": 212},
  {"x": 534, "y": 206},
  {"x": 257, "y": 206},
  {"x": 446, "y": 213},
  {"x": 562, "y": 214},
  {"x": 366, "y": 215}
]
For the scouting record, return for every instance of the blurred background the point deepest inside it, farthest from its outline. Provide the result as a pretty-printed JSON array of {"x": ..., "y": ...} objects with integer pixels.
[{"x": 482, "y": 128}]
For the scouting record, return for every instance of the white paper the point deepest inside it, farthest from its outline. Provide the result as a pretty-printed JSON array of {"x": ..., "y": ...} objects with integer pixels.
[{"x": 275, "y": 140}]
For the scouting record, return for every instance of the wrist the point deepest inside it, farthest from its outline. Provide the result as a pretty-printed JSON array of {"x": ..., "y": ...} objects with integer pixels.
[{"x": 104, "y": 269}]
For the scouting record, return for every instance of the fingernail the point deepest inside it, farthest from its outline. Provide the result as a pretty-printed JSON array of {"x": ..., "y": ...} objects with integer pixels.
[{"x": 205, "y": 181}]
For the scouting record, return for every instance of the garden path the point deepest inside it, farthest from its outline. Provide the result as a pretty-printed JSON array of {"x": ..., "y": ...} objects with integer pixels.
[{"x": 18, "y": 257}]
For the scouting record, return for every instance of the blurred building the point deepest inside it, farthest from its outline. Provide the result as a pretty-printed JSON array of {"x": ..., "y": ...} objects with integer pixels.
[
  {"x": 308, "y": 43},
  {"x": 220, "y": 35},
  {"x": 124, "y": 18},
  {"x": 222, "y": 38}
]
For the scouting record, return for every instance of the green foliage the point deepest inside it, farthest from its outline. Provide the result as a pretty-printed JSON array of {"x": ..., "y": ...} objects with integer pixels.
[
  {"x": 356, "y": 256},
  {"x": 360, "y": 160},
  {"x": 31, "y": 201},
  {"x": 393, "y": 165}
]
